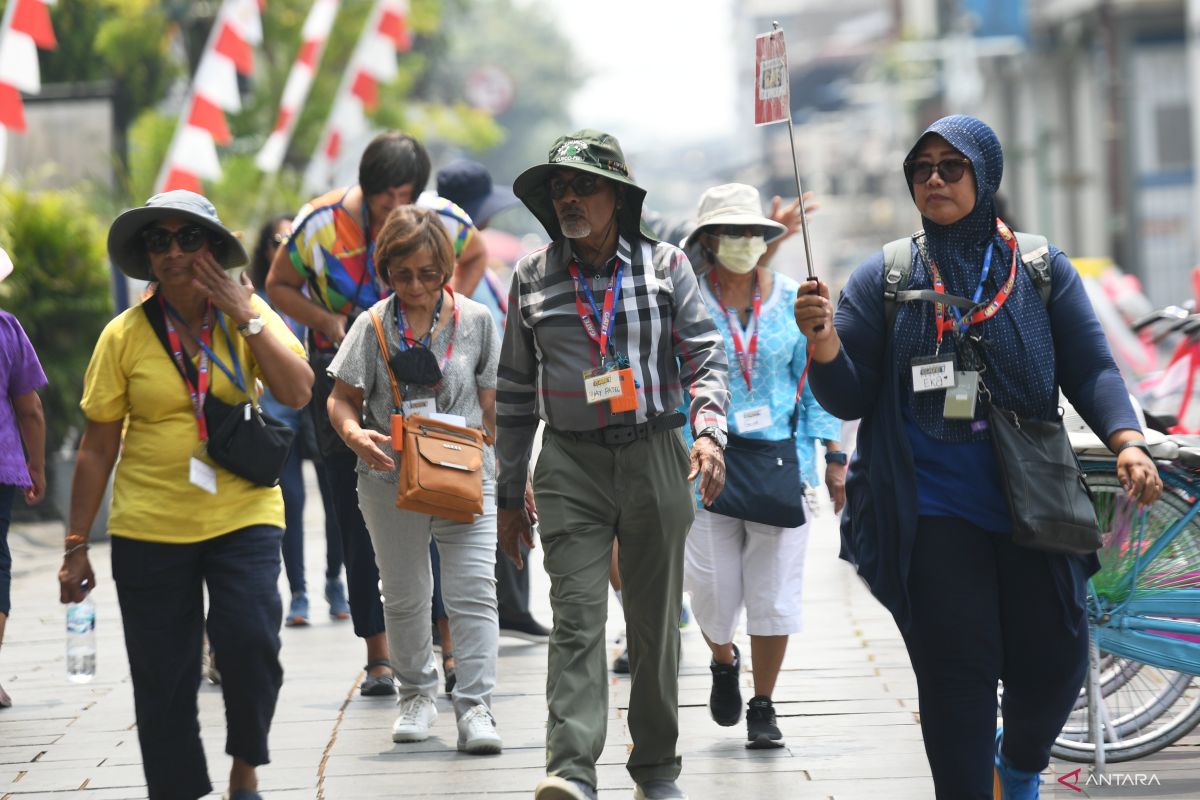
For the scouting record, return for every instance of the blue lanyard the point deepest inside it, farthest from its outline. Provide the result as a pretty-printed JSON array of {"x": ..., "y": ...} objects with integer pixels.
[
  {"x": 612, "y": 295},
  {"x": 402, "y": 324},
  {"x": 975, "y": 298},
  {"x": 238, "y": 381}
]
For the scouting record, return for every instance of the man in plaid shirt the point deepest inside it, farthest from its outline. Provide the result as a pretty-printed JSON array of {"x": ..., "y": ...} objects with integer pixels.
[{"x": 606, "y": 328}]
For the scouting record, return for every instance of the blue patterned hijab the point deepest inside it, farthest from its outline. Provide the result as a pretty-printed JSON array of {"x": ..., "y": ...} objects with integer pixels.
[{"x": 1018, "y": 349}]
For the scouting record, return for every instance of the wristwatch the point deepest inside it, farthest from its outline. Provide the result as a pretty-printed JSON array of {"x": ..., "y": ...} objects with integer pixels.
[
  {"x": 1140, "y": 444},
  {"x": 252, "y": 327},
  {"x": 716, "y": 434},
  {"x": 835, "y": 457}
]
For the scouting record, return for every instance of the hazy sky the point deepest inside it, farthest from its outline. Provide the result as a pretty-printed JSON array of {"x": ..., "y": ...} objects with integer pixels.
[{"x": 661, "y": 69}]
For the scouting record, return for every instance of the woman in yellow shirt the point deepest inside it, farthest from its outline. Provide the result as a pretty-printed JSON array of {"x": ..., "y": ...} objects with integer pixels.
[{"x": 178, "y": 520}]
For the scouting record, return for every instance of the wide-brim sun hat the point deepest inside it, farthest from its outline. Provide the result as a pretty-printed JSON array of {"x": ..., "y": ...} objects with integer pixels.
[
  {"x": 128, "y": 252},
  {"x": 733, "y": 204},
  {"x": 586, "y": 151},
  {"x": 469, "y": 185}
]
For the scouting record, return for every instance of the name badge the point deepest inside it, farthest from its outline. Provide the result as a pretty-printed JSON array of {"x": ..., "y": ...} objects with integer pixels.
[
  {"x": 423, "y": 407},
  {"x": 753, "y": 419},
  {"x": 960, "y": 399},
  {"x": 930, "y": 373},
  {"x": 599, "y": 385},
  {"x": 202, "y": 475}
]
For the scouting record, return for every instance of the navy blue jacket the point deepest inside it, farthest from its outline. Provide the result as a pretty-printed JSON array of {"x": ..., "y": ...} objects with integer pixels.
[{"x": 879, "y": 526}]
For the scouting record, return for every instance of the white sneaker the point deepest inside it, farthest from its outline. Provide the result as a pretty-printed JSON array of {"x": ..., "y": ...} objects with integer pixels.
[
  {"x": 477, "y": 732},
  {"x": 417, "y": 715}
]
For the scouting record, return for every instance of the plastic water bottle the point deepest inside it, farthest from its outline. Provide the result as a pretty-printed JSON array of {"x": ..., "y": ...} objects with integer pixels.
[{"x": 81, "y": 640}]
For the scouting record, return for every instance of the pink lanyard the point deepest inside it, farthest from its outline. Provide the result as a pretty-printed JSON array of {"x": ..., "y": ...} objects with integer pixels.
[{"x": 746, "y": 356}]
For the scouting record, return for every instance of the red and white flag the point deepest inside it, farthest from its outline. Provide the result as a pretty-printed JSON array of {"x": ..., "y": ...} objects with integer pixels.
[
  {"x": 312, "y": 44},
  {"x": 25, "y": 29},
  {"x": 229, "y": 52},
  {"x": 372, "y": 63}
]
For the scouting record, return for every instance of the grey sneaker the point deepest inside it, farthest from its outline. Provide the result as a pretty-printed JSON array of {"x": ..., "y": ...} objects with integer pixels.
[
  {"x": 659, "y": 790},
  {"x": 554, "y": 788}
]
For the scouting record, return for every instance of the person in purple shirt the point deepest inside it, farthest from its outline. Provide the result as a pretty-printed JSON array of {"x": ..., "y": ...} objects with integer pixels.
[
  {"x": 21, "y": 421},
  {"x": 927, "y": 522}
]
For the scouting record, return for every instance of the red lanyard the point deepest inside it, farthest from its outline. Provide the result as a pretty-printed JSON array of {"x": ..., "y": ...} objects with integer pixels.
[
  {"x": 199, "y": 392},
  {"x": 589, "y": 315},
  {"x": 987, "y": 312},
  {"x": 402, "y": 328},
  {"x": 746, "y": 356}
]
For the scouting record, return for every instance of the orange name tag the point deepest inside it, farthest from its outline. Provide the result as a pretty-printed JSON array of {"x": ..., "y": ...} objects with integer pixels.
[
  {"x": 397, "y": 432},
  {"x": 627, "y": 400}
]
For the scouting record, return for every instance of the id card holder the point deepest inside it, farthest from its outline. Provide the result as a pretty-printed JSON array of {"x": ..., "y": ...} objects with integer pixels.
[
  {"x": 930, "y": 373},
  {"x": 961, "y": 397},
  {"x": 202, "y": 474},
  {"x": 628, "y": 399},
  {"x": 600, "y": 384},
  {"x": 753, "y": 419},
  {"x": 420, "y": 408},
  {"x": 397, "y": 432}
]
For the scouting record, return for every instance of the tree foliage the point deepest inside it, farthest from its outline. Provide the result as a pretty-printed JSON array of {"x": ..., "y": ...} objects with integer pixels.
[{"x": 59, "y": 290}]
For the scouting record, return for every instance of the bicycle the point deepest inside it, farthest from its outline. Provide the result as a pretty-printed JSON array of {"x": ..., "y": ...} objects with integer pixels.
[{"x": 1141, "y": 693}]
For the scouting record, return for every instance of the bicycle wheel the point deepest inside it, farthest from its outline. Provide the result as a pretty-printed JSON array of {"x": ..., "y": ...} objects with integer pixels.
[{"x": 1145, "y": 707}]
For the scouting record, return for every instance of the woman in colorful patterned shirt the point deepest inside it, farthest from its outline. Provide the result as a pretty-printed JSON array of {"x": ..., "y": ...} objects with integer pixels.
[{"x": 730, "y": 563}]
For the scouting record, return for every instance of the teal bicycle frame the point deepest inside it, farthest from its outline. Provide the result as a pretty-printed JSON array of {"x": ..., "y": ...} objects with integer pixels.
[{"x": 1158, "y": 626}]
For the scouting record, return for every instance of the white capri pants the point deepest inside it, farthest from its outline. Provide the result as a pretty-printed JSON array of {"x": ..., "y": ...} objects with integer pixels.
[{"x": 730, "y": 564}]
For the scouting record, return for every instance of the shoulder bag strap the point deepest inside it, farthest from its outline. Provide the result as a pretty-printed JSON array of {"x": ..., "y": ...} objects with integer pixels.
[{"x": 383, "y": 349}]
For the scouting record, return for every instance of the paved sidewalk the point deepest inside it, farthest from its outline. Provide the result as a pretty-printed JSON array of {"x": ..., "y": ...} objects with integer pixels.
[{"x": 846, "y": 700}]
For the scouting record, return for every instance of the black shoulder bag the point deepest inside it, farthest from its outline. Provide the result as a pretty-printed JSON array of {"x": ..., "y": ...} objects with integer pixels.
[
  {"x": 241, "y": 438},
  {"x": 762, "y": 479}
]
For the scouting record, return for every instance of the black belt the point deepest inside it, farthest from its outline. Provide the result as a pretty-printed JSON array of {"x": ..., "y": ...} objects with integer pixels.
[{"x": 624, "y": 434}]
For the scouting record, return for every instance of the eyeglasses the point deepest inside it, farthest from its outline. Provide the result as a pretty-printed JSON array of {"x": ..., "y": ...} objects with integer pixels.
[
  {"x": 190, "y": 238},
  {"x": 951, "y": 170},
  {"x": 429, "y": 277},
  {"x": 583, "y": 185}
]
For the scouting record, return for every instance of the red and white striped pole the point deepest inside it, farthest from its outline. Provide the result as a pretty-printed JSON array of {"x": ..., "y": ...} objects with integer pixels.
[
  {"x": 373, "y": 62},
  {"x": 25, "y": 29},
  {"x": 229, "y": 52},
  {"x": 313, "y": 38}
]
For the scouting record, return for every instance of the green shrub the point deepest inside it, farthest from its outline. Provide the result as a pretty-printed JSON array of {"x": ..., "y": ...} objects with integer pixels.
[{"x": 59, "y": 291}]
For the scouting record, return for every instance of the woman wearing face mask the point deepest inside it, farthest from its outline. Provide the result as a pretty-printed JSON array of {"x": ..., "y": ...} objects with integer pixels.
[{"x": 731, "y": 563}]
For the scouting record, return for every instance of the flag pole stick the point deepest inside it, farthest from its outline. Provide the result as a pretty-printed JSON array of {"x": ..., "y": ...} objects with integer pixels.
[{"x": 812, "y": 275}]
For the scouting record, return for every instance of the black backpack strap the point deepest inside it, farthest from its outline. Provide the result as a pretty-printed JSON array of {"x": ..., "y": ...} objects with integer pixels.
[
  {"x": 1035, "y": 255},
  {"x": 897, "y": 272}
]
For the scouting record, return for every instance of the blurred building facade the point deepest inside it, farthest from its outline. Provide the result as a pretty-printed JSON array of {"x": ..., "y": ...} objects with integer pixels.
[{"x": 1096, "y": 102}]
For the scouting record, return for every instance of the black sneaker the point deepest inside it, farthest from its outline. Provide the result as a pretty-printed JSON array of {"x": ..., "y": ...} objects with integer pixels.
[
  {"x": 761, "y": 731},
  {"x": 526, "y": 628},
  {"x": 725, "y": 699},
  {"x": 621, "y": 663}
]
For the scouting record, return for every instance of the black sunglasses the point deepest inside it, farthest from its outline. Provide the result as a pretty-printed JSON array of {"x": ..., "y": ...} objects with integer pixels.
[
  {"x": 951, "y": 170},
  {"x": 190, "y": 238},
  {"x": 583, "y": 185}
]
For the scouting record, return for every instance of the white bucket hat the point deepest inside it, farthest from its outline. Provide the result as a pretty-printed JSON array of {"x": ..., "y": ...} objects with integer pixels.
[{"x": 733, "y": 204}]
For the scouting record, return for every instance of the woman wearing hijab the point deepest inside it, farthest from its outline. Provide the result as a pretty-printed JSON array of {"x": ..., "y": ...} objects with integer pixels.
[{"x": 927, "y": 523}]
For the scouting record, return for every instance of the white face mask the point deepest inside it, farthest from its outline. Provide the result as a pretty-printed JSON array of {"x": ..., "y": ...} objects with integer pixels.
[{"x": 740, "y": 254}]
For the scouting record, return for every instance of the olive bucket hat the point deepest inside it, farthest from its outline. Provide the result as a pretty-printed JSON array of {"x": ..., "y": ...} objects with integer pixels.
[
  {"x": 587, "y": 151},
  {"x": 125, "y": 247}
]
